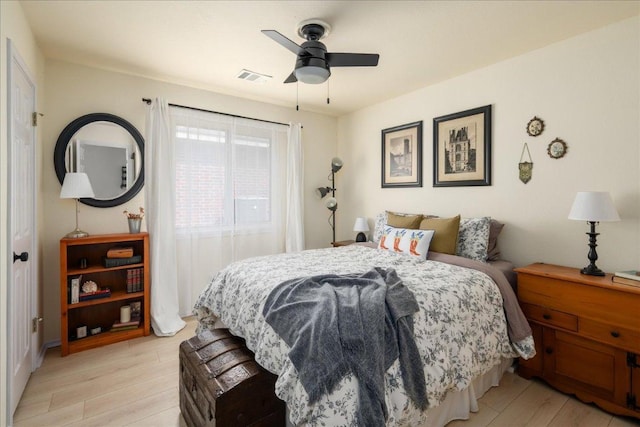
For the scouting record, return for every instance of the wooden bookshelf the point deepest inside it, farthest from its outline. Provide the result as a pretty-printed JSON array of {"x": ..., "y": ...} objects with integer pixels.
[{"x": 102, "y": 312}]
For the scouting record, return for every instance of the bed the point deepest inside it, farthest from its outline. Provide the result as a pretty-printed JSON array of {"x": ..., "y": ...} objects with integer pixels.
[{"x": 461, "y": 329}]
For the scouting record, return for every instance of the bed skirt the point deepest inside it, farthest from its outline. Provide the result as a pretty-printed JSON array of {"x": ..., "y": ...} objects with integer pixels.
[{"x": 459, "y": 404}]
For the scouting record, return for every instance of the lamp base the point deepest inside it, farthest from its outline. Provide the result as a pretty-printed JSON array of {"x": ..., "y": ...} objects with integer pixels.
[
  {"x": 361, "y": 237},
  {"x": 592, "y": 270},
  {"x": 76, "y": 234}
]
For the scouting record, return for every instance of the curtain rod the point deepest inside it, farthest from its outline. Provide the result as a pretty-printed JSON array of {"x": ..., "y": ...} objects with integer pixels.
[{"x": 148, "y": 101}]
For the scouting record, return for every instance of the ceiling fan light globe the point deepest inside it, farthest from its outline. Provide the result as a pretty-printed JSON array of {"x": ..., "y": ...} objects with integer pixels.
[{"x": 312, "y": 74}]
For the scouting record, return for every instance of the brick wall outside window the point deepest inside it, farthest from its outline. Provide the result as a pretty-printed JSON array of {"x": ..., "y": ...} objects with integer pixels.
[{"x": 222, "y": 181}]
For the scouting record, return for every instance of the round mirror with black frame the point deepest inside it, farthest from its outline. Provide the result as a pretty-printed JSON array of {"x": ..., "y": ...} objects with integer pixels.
[{"x": 110, "y": 150}]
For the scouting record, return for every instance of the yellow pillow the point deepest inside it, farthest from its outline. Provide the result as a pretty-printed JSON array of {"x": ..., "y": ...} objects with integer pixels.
[
  {"x": 403, "y": 221},
  {"x": 446, "y": 236}
]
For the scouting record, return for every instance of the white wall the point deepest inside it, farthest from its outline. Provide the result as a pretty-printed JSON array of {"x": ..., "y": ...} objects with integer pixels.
[
  {"x": 13, "y": 25},
  {"x": 587, "y": 91},
  {"x": 73, "y": 91}
]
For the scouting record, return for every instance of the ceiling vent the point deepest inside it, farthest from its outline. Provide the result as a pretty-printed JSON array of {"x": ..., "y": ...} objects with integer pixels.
[{"x": 252, "y": 76}]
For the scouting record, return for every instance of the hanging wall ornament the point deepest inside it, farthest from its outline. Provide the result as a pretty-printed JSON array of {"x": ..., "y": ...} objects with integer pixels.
[
  {"x": 525, "y": 167},
  {"x": 535, "y": 126}
]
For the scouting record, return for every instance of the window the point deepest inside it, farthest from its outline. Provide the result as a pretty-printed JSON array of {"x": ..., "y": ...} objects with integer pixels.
[{"x": 229, "y": 172}]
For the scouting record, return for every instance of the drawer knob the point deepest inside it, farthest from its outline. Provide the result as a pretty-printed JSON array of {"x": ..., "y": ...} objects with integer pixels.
[
  {"x": 615, "y": 334},
  {"x": 546, "y": 316},
  {"x": 548, "y": 350}
]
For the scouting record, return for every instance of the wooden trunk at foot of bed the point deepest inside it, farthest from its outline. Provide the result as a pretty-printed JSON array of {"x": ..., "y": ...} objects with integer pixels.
[{"x": 222, "y": 385}]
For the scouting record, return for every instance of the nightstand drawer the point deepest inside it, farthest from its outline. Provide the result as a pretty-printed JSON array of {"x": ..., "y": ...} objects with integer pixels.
[
  {"x": 551, "y": 317},
  {"x": 619, "y": 337}
]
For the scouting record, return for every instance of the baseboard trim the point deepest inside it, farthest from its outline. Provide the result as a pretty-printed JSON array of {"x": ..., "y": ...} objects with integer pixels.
[{"x": 43, "y": 350}]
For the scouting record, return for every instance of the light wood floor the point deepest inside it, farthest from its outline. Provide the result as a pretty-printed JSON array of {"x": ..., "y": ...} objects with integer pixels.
[{"x": 135, "y": 383}]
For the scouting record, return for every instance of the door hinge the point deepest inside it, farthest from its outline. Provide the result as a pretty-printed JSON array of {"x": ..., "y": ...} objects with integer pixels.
[
  {"x": 34, "y": 324},
  {"x": 632, "y": 361}
]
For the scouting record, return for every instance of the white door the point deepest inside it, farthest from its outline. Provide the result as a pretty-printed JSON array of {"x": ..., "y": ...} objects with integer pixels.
[{"x": 22, "y": 178}]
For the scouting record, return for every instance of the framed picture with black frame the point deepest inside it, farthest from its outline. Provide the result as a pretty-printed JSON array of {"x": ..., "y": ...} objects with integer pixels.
[
  {"x": 402, "y": 156},
  {"x": 462, "y": 148}
]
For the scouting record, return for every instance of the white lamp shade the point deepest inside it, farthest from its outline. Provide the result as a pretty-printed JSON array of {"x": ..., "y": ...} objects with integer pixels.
[
  {"x": 76, "y": 185},
  {"x": 361, "y": 225},
  {"x": 593, "y": 206}
]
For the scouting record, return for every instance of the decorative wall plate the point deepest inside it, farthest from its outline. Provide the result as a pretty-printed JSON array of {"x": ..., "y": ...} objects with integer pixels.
[
  {"x": 557, "y": 148},
  {"x": 535, "y": 126}
]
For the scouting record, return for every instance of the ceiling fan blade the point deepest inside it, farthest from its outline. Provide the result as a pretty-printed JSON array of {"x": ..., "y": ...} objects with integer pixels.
[
  {"x": 280, "y": 39},
  {"x": 352, "y": 59},
  {"x": 291, "y": 79}
]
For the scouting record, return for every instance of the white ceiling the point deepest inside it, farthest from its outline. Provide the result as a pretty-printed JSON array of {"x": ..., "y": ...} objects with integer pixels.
[{"x": 205, "y": 44}]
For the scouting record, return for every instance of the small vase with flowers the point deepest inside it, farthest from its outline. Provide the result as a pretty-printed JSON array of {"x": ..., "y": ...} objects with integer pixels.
[{"x": 135, "y": 220}]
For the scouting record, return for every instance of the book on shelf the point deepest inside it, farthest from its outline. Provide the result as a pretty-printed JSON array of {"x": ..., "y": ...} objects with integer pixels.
[
  {"x": 102, "y": 293},
  {"x": 629, "y": 274},
  {"x": 129, "y": 281},
  {"x": 116, "y": 262},
  {"x": 74, "y": 290},
  {"x": 120, "y": 252},
  {"x": 125, "y": 326},
  {"x": 624, "y": 281},
  {"x": 134, "y": 280}
]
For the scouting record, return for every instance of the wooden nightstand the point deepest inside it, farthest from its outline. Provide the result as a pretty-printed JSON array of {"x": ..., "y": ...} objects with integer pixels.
[
  {"x": 587, "y": 335},
  {"x": 343, "y": 243}
]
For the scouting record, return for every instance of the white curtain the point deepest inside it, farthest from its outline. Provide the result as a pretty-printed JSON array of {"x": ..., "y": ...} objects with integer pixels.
[
  {"x": 295, "y": 185},
  {"x": 230, "y": 194},
  {"x": 160, "y": 213}
]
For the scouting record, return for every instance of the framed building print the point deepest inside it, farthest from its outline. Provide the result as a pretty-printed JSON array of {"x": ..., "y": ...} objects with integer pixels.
[
  {"x": 462, "y": 148},
  {"x": 402, "y": 156}
]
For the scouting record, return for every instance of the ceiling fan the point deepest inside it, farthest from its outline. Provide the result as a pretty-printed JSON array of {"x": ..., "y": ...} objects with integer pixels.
[{"x": 314, "y": 62}]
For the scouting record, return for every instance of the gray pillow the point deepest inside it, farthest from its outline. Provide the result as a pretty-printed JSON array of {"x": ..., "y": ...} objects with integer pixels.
[
  {"x": 473, "y": 238},
  {"x": 493, "y": 252}
]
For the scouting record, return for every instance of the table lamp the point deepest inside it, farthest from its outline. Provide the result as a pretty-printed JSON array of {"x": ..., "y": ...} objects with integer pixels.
[
  {"x": 75, "y": 186},
  {"x": 593, "y": 207},
  {"x": 361, "y": 227}
]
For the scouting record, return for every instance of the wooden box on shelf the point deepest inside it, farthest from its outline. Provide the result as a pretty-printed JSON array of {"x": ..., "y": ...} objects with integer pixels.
[
  {"x": 587, "y": 335},
  {"x": 86, "y": 324}
]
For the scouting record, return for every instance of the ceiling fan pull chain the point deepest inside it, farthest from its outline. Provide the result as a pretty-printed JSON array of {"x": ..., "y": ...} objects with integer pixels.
[
  {"x": 297, "y": 97},
  {"x": 327, "y": 92}
]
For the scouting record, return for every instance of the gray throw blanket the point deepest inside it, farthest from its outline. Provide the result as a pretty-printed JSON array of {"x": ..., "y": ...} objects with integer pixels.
[{"x": 340, "y": 324}]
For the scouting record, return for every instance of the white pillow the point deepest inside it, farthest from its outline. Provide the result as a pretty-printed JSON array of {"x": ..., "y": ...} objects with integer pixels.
[
  {"x": 473, "y": 238},
  {"x": 379, "y": 224},
  {"x": 406, "y": 241}
]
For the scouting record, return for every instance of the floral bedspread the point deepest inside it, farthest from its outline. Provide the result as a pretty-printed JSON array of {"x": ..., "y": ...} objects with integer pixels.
[{"x": 460, "y": 329}]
